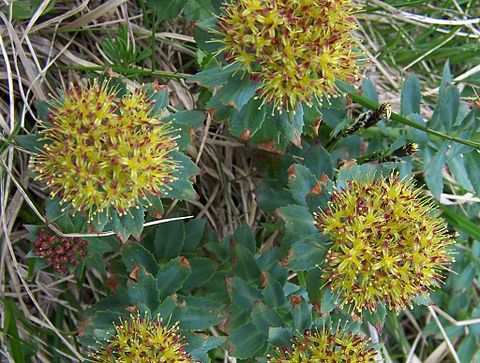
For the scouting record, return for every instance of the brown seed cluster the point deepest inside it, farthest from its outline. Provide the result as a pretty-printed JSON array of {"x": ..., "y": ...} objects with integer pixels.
[{"x": 60, "y": 252}]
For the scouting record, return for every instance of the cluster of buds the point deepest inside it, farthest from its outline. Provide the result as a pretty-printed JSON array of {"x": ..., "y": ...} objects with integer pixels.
[
  {"x": 60, "y": 252},
  {"x": 103, "y": 151},
  {"x": 388, "y": 243},
  {"x": 326, "y": 346},
  {"x": 143, "y": 340},
  {"x": 297, "y": 49}
]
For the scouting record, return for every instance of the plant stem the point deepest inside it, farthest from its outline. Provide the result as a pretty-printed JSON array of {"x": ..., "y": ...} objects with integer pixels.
[{"x": 396, "y": 117}]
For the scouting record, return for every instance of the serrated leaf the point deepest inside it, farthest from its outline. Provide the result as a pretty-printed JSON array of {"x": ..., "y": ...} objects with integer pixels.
[
  {"x": 182, "y": 187},
  {"x": 245, "y": 265},
  {"x": 196, "y": 318},
  {"x": 274, "y": 295},
  {"x": 271, "y": 195},
  {"x": 213, "y": 77},
  {"x": 170, "y": 278},
  {"x": 290, "y": 125},
  {"x": 279, "y": 337},
  {"x": 264, "y": 317},
  {"x": 134, "y": 254},
  {"x": 319, "y": 161},
  {"x": 246, "y": 340},
  {"x": 298, "y": 221},
  {"x": 301, "y": 182},
  {"x": 194, "y": 231},
  {"x": 306, "y": 255},
  {"x": 411, "y": 96},
  {"x": 377, "y": 317},
  {"x": 198, "y": 345},
  {"x": 202, "y": 271},
  {"x": 244, "y": 295},
  {"x": 246, "y": 122},
  {"x": 129, "y": 224},
  {"x": 238, "y": 90},
  {"x": 245, "y": 237},
  {"x": 168, "y": 241},
  {"x": 144, "y": 290},
  {"x": 302, "y": 316}
]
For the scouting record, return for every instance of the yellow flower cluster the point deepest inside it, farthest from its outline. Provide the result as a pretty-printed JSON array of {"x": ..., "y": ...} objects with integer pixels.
[
  {"x": 143, "y": 340},
  {"x": 103, "y": 151},
  {"x": 326, "y": 346},
  {"x": 389, "y": 245},
  {"x": 295, "y": 48}
]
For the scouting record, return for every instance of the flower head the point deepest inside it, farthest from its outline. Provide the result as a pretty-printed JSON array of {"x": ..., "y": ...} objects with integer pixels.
[
  {"x": 295, "y": 48},
  {"x": 103, "y": 151},
  {"x": 60, "y": 252},
  {"x": 389, "y": 244},
  {"x": 143, "y": 340},
  {"x": 326, "y": 346}
]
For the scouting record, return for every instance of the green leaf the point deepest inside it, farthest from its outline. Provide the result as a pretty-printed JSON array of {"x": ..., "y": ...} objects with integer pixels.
[
  {"x": 245, "y": 265},
  {"x": 169, "y": 240},
  {"x": 166, "y": 9},
  {"x": 264, "y": 317},
  {"x": 280, "y": 337},
  {"x": 411, "y": 96},
  {"x": 213, "y": 77},
  {"x": 301, "y": 182},
  {"x": 196, "y": 318},
  {"x": 270, "y": 195},
  {"x": 368, "y": 90},
  {"x": 134, "y": 254},
  {"x": 198, "y": 9},
  {"x": 298, "y": 221},
  {"x": 245, "y": 237},
  {"x": 462, "y": 223},
  {"x": 244, "y": 295},
  {"x": 274, "y": 295},
  {"x": 186, "y": 121},
  {"x": 170, "y": 278},
  {"x": 468, "y": 347},
  {"x": 446, "y": 109},
  {"x": 199, "y": 345},
  {"x": 377, "y": 317},
  {"x": 302, "y": 316},
  {"x": 144, "y": 290},
  {"x": 33, "y": 142},
  {"x": 245, "y": 123},
  {"x": 182, "y": 187},
  {"x": 290, "y": 125},
  {"x": 319, "y": 161},
  {"x": 238, "y": 90},
  {"x": 472, "y": 165},
  {"x": 433, "y": 171},
  {"x": 194, "y": 231},
  {"x": 202, "y": 271},
  {"x": 129, "y": 224},
  {"x": 247, "y": 340},
  {"x": 307, "y": 255}
]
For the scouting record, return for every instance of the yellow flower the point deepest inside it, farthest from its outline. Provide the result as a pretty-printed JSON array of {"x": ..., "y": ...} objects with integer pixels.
[
  {"x": 295, "y": 48},
  {"x": 326, "y": 346},
  {"x": 389, "y": 244},
  {"x": 143, "y": 341},
  {"x": 103, "y": 151}
]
